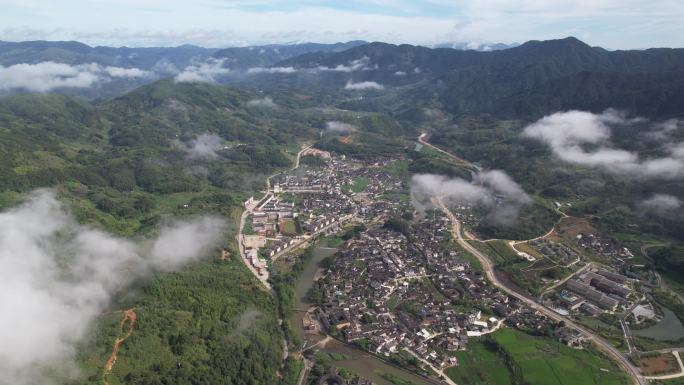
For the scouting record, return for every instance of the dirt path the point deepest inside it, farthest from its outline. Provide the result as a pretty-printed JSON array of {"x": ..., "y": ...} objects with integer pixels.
[{"x": 128, "y": 315}]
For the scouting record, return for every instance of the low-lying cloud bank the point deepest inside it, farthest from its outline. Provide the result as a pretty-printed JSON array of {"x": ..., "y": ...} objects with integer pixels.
[
  {"x": 266, "y": 102},
  {"x": 46, "y": 76},
  {"x": 662, "y": 205},
  {"x": 361, "y": 64},
  {"x": 342, "y": 127},
  {"x": 493, "y": 190},
  {"x": 205, "y": 72},
  {"x": 57, "y": 276},
  {"x": 361, "y": 86},
  {"x": 205, "y": 146},
  {"x": 272, "y": 70},
  {"x": 569, "y": 133}
]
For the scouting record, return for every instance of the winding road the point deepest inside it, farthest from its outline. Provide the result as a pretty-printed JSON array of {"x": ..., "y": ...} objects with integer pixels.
[{"x": 488, "y": 267}]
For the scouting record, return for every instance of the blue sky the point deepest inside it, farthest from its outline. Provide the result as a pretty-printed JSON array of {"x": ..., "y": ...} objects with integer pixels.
[{"x": 614, "y": 24}]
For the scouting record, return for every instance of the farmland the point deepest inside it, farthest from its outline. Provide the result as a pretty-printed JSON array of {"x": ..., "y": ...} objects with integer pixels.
[{"x": 509, "y": 355}]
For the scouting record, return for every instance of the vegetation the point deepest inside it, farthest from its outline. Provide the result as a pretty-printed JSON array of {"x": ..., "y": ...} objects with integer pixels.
[
  {"x": 190, "y": 332},
  {"x": 512, "y": 357},
  {"x": 396, "y": 380},
  {"x": 127, "y": 163},
  {"x": 357, "y": 186}
]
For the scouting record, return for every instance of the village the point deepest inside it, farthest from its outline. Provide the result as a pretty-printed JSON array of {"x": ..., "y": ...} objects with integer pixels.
[
  {"x": 399, "y": 285},
  {"x": 309, "y": 202},
  {"x": 388, "y": 294}
]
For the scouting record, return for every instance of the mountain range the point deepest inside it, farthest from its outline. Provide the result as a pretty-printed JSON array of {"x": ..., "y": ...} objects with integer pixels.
[{"x": 523, "y": 81}]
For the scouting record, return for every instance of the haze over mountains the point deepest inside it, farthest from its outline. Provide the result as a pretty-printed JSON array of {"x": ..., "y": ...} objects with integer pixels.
[{"x": 531, "y": 79}]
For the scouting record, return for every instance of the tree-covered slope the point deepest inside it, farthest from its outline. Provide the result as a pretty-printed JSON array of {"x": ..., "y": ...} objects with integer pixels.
[
  {"x": 526, "y": 81},
  {"x": 129, "y": 164}
]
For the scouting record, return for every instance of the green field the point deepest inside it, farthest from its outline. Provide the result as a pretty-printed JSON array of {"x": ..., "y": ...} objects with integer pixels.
[
  {"x": 539, "y": 361},
  {"x": 290, "y": 227},
  {"x": 357, "y": 186},
  {"x": 480, "y": 365},
  {"x": 498, "y": 250}
]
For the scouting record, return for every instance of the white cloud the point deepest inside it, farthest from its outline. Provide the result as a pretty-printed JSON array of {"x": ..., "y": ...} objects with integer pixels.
[
  {"x": 164, "y": 66},
  {"x": 663, "y": 202},
  {"x": 612, "y": 23},
  {"x": 662, "y": 205},
  {"x": 46, "y": 76},
  {"x": 354, "y": 65},
  {"x": 568, "y": 134},
  {"x": 205, "y": 72},
  {"x": 335, "y": 126},
  {"x": 491, "y": 190},
  {"x": 272, "y": 70},
  {"x": 57, "y": 276},
  {"x": 266, "y": 102},
  {"x": 361, "y": 86},
  {"x": 361, "y": 64},
  {"x": 119, "y": 72},
  {"x": 433, "y": 113},
  {"x": 205, "y": 146}
]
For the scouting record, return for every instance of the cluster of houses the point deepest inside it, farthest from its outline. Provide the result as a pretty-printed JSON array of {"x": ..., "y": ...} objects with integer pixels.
[
  {"x": 596, "y": 291},
  {"x": 330, "y": 203},
  {"x": 267, "y": 217},
  {"x": 557, "y": 252},
  {"x": 388, "y": 294},
  {"x": 321, "y": 205},
  {"x": 605, "y": 247}
]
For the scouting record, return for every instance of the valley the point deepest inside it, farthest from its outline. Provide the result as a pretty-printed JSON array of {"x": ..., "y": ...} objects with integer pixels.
[
  {"x": 305, "y": 312},
  {"x": 342, "y": 213}
]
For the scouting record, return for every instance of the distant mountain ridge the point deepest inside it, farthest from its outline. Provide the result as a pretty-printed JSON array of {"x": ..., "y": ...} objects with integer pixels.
[
  {"x": 563, "y": 73},
  {"x": 528, "y": 80},
  {"x": 474, "y": 46},
  {"x": 73, "y": 52},
  {"x": 266, "y": 55}
]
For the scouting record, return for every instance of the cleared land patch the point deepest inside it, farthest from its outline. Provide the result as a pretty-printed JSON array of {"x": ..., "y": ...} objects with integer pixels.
[{"x": 658, "y": 364}]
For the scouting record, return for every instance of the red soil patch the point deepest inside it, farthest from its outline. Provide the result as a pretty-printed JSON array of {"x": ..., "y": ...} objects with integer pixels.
[
  {"x": 128, "y": 315},
  {"x": 660, "y": 364},
  {"x": 346, "y": 139}
]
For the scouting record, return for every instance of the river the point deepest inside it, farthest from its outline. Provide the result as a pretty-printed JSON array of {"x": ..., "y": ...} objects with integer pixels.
[{"x": 355, "y": 360}]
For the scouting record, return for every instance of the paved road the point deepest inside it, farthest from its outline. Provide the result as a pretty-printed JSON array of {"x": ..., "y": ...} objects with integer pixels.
[
  {"x": 487, "y": 265},
  {"x": 424, "y": 142},
  {"x": 440, "y": 372},
  {"x": 263, "y": 278},
  {"x": 566, "y": 279}
]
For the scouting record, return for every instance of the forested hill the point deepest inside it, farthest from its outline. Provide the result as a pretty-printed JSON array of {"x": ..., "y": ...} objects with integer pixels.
[
  {"x": 266, "y": 55},
  {"x": 167, "y": 150},
  {"x": 72, "y": 52},
  {"x": 532, "y": 79},
  {"x": 147, "y": 142},
  {"x": 157, "y": 58}
]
